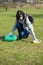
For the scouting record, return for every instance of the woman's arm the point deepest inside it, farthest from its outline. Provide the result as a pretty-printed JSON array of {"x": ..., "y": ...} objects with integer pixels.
[{"x": 30, "y": 26}]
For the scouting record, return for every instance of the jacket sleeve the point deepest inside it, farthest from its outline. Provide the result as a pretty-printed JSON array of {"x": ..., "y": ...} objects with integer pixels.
[
  {"x": 14, "y": 27},
  {"x": 30, "y": 27}
]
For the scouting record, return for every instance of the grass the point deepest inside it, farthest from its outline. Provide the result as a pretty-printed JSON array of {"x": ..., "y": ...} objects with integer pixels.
[{"x": 21, "y": 52}]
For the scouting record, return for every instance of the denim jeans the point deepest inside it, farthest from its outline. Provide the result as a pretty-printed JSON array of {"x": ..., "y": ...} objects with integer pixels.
[{"x": 23, "y": 33}]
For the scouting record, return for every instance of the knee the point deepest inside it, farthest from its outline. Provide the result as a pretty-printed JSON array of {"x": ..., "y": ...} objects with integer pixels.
[{"x": 22, "y": 34}]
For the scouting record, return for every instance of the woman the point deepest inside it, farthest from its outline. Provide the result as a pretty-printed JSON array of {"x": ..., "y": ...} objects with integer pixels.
[{"x": 24, "y": 25}]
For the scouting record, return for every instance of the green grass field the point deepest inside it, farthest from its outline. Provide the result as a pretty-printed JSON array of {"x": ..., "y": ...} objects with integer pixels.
[{"x": 21, "y": 52}]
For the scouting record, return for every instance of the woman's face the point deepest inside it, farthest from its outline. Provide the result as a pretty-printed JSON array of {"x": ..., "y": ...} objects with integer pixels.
[{"x": 21, "y": 17}]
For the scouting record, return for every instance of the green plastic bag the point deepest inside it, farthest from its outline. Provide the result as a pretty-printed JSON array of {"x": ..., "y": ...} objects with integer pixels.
[{"x": 10, "y": 37}]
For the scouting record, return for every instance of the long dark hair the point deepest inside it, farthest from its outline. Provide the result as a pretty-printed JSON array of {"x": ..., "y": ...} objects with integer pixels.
[{"x": 19, "y": 12}]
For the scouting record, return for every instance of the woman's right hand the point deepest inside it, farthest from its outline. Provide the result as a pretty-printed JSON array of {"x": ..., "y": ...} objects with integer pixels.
[{"x": 9, "y": 33}]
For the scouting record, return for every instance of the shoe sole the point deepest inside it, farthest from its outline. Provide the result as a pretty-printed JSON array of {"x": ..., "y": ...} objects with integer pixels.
[{"x": 36, "y": 42}]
